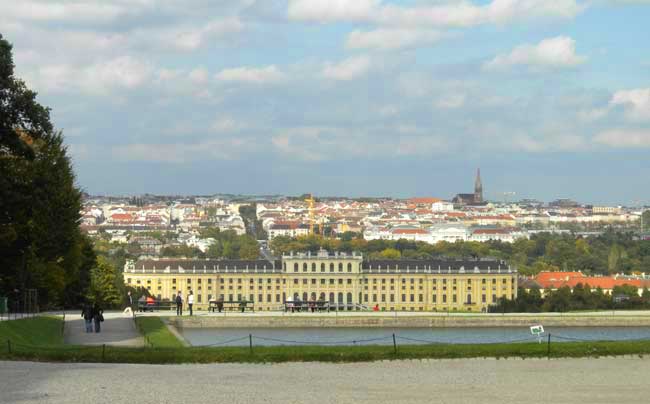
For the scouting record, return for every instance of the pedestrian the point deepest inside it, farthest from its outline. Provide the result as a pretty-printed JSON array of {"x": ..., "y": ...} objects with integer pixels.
[
  {"x": 179, "y": 304},
  {"x": 242, "y": 304},
  {"x": 220, "y": 303},
  {"x": 87, "y": 314},
  {"x": 98, "y": 316},
  {"x": 129, "y": 304},
  {"x": 190, "y": 301}
]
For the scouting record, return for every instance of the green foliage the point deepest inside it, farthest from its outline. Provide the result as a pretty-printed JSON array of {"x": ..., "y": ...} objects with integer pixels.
[
  {"x": 40, "y": 243},
  {"x": 105, "y": 284},
  {"x": 610, "y": 252},
  {"x": 582, "y": 298},
  {"x": 390, "y": 253},
  {"x": 253, "y": 225},
  {"x": 182, "y": 251},
  {"x": 230, "y": 245}
]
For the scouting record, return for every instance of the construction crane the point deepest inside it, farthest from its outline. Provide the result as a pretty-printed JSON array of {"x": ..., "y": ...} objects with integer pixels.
[{"x": 310, "y": 202}]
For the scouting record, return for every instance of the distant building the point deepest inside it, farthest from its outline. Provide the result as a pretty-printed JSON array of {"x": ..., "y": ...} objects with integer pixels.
[
  {"x": 564, "y": 203},
  {"x": 342, "y": 280},
  {"x": 472, "y": 199}
]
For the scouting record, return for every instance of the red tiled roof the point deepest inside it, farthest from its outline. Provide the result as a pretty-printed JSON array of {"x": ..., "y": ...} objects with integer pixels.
[
  {"x": 421, "y": 201},
  {"x": 121, "y": 216},
  {"x": 556, "y": 280}
]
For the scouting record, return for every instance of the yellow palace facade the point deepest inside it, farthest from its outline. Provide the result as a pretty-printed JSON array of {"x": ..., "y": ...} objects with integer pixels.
[{"x": 346, "y": 281}]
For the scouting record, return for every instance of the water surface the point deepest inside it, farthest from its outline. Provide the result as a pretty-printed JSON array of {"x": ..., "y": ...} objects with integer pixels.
[{"x": 404, "y": 336}]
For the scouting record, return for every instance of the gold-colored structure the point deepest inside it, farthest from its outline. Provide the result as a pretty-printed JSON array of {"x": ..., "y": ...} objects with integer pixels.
[
  {"x": 346, "y": 281},
  {"x": 312, "y": 221}
]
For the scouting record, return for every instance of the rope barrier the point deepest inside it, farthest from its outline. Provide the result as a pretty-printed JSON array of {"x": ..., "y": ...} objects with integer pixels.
[
  {"x": 226, "y": 342},
  {"x": 359, "y": 341}
]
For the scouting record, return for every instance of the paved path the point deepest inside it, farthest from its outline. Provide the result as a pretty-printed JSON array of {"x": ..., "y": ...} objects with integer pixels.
[
  {"x": 607, "y": 380},
  {"x": 117, "y": 330}
]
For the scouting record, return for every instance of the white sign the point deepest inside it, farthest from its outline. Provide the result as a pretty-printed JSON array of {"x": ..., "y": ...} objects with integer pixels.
[{"x": 537, "y": 329}]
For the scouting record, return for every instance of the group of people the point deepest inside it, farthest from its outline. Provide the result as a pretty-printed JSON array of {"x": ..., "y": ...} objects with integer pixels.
[
  {"x": 179, "y": 303},
  {"x": 92, "y": 314}
]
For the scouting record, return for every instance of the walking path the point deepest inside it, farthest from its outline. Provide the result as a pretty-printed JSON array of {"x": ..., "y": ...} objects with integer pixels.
[
  {"x": 117, "y": 330},
  {"x": 461, "y": 381}
]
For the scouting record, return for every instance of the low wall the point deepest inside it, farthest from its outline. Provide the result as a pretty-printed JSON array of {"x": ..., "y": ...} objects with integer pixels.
[{"x": 408, "y": 322}]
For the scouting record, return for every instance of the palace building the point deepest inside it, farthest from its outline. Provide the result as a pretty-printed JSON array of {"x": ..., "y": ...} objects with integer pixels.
[{"x": 344, "y": 280}]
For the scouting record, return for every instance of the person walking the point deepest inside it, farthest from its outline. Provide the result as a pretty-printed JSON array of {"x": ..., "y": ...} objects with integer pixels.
[
  {"x": 190, "y": 301},
  {"x": 129, "y": 304},
  {"x": 98, "y": 317},
  {"x": 179, "y": 304},
  {"x": 87, "y": 314},
  {"x": 220, "y": 303}
]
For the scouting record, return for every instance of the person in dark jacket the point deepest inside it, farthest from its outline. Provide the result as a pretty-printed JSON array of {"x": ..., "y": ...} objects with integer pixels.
[
  {"x": 179, "y": 304},
  {"x": 87, "y": 314},
  {"x": 98, "y": 316}
]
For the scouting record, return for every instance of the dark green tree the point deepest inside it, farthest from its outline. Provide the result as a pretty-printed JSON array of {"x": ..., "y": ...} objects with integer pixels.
[{"x": 40, "y": 243}]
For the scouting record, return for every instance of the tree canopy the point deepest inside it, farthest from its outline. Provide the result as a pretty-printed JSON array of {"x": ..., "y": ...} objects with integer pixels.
[{"x": 41, "y": 246}]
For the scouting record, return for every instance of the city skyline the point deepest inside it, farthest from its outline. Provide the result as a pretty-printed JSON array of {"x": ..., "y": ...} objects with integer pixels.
[{"x": 391, "y": 98}]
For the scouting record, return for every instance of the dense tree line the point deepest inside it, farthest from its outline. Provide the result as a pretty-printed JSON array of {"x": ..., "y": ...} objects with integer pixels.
[
  {"x": 612, "y": 252},
  {"x": 582, "y": 297}
]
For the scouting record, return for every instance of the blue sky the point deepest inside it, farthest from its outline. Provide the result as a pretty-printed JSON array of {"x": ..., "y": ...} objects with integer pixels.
[{"x": 551, "y": 98}]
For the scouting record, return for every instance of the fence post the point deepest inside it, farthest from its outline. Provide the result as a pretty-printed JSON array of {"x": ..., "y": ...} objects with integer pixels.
[
  {"x": 9, "y": 346},
  {"x": 103, "y": 352},
  {"x": 394, "y": 344},
  {"x": 548, "y": 348},
  {"x": 250, "y": 342}
]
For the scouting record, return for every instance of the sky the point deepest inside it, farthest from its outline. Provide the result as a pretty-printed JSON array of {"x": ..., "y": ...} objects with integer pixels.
[{"x": 550, "y": 98}]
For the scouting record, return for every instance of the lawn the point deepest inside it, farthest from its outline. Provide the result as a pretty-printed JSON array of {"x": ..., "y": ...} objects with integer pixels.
[
  {"x": 156, "y": 333},
  {"x": 36, "y": 331}
]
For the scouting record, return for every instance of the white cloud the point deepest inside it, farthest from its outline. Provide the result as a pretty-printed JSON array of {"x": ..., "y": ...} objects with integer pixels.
[
  {"x": 332, "y": 10},
  {"x": 391, "y": 39},
  {"x": 450, "y": 101},
  {"x": 636, "y": 103},
  {"x": 122, "y": 73},
  {"x": 74, "y": 10},
  {"x": 550, "y": 53},
  {"x": 624, "y": 138},
  {"x": 348, "y": 69},
  {"x": 189, "y": 38},
  {"x": 446, "y": 14},
  {"x": 262, "y": 75}
]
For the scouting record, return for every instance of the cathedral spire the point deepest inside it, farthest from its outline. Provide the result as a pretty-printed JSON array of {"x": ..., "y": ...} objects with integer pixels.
[{"x": 478, "y": 188}]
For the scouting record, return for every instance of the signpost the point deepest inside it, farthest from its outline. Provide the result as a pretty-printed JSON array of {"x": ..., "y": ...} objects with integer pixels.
[{"x": 537, "y": 330}]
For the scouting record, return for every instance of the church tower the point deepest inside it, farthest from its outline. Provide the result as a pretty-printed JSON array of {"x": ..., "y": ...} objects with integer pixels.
[{"x": 478, "y": 188}]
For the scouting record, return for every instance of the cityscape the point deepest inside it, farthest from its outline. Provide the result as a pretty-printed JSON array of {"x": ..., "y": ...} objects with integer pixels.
[{"x": 345, "y": 201}]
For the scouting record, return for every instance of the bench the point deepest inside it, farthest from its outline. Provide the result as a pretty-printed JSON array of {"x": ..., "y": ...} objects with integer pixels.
[
  {"x": 156, "y": 306},
  {"x": 318, "y": 305},
  {"x": 213, "y": 305}
]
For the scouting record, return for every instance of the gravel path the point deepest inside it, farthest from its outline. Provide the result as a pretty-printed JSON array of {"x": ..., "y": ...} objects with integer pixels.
[
  {"x": 116, "y": 330},
  {"x": 607, "y": 380}
]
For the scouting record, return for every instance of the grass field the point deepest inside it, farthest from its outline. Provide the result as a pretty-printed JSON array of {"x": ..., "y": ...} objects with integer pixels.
[
  {"x": 40, "y": 339},
  {"x": 38, "y": 331},
  {"x": 156, "y": 333}
]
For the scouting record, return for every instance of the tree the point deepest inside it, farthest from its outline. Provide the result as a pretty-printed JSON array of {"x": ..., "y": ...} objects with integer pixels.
[
  {"x": 40, "y": 243},
  {"x": 104, "y": 283},
  {"x": 391, "y": 254}
]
